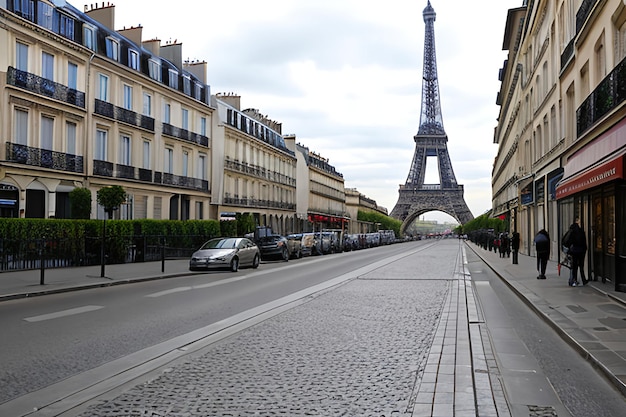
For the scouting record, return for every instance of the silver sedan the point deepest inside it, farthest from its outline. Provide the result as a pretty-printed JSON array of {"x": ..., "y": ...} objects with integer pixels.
[{"x": 231, "y": 253}]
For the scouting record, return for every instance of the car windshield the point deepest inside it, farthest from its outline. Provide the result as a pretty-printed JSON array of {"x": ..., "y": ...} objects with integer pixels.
[{"x": 220, "y": 244}]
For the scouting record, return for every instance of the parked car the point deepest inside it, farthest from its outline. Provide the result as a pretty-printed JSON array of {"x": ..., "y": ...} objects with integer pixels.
[
  {"x": 273, "y": 247},
  {"x": 231, "y": 253},
  {"x": 294, "y": 243},
  {"x": 308, "y": 244}
]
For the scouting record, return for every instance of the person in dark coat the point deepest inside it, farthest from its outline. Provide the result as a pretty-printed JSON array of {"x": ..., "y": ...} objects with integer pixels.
[
  {"x": 542, "y": 246},
  {"x": 576, "y": 242},
  {"x": 515, "y": 245}
]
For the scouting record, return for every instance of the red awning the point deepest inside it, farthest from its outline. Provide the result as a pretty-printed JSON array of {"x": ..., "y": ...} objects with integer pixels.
[{"x": 608, "y": 171}]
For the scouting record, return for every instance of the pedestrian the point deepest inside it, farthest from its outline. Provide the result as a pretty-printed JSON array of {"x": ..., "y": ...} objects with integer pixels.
[
  {"x": 515, "y": 245},
  {"x": 576, "y": 242},
  {"x": 542, "y": 246}
]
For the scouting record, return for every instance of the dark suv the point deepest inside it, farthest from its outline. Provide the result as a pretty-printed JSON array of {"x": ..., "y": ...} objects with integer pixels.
[{"x": 273, "y": 247}]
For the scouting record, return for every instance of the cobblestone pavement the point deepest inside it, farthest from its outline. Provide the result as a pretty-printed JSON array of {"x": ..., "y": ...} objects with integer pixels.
[{"x": 381, "y": 345}]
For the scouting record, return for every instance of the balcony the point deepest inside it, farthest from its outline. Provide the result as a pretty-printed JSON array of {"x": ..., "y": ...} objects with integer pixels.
[
  {"x": 259, "y": 172},
  {"x": 181, "y": 182},
  {"x": 609, "y": 94},
  {"x": 44, "y": 158},
  {"x": 253, "y": 202},
  {"x": 124, "y": 115},
  {"x": 583, "y": 13},
  {"x": 38, "y": 85},
  {"x": 185, "y": 135}
]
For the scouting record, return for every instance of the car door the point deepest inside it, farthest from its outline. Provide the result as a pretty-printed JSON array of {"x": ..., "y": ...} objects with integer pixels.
[{"x": 246, "y": 252}]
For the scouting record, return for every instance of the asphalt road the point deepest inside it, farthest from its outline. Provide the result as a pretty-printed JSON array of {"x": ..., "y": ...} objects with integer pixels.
[{"x": 46, "y": 339}]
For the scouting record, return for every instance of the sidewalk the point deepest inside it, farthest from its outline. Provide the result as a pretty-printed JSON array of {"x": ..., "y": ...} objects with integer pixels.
[{"x": 590, "y": 318}]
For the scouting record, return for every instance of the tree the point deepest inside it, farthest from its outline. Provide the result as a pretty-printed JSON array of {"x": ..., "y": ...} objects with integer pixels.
[
  {"x": 80, "y": 203},
  {"x": 110, "y": 198}
]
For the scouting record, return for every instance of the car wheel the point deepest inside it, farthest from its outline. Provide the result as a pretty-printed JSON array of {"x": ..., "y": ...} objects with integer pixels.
[
  {"x": 285, "y": 255},
  {"x": 256, "y": 261},
  {"x": 234, "y": 265},
  {"x": 299, "y": 255}
]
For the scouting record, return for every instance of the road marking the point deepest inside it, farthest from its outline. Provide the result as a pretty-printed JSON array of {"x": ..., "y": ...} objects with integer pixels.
[
  {"x": 64, "y": 313},
  {"x": 195, "y": 287}
]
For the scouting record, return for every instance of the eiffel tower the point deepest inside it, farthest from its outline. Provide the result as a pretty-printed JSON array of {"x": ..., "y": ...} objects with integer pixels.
[{"x": 417, "y": 198}]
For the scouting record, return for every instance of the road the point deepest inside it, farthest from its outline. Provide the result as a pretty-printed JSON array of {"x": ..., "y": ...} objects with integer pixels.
[{"x": 56, "y": 336}]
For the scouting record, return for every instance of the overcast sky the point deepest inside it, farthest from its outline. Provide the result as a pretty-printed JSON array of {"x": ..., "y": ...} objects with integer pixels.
[{"x": 345, "y": 76}]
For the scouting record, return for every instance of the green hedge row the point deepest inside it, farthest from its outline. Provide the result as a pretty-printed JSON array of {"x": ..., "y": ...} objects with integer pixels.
[{"x": 27, "y": 229}]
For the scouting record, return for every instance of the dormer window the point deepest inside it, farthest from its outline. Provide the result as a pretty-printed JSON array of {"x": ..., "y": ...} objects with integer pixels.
[
  {"x": 45, "y": 16},
  {"x": 154, "y": 69},
  {"x": 173, "y": 79},
  {"x": 133, "y": 59},
  {"x": 88, "y": 37},
  {"x": 187, "y": 85},
  {"x": 112, "y": 49}
]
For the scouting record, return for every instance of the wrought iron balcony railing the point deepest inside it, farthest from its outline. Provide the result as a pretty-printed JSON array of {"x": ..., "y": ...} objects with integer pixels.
[
  {"x": 184, "y": 134},
  {"x": 253, "y": 202},
  {"x": 38, "y": 85},
  {"x": 259, "y": 172},
  {"x": 44, "y": 158},
  {"x": 609, "y": 94},
  {"x": 123, "y": 115}
]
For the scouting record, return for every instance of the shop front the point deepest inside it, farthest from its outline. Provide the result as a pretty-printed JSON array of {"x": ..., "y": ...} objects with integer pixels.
[{"x": 593, "y": 190}]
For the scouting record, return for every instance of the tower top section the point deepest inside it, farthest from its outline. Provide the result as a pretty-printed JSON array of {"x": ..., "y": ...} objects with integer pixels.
[
  {"x": 431, "y": 122},
  {"x": 429, "y": 13}
]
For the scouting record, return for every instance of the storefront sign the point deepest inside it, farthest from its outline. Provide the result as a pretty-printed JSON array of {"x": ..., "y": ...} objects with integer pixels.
[{"x": 604, "y": 173}]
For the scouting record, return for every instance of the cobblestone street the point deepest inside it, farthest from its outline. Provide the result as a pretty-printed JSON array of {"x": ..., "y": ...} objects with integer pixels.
[{"x": 328, "y": 357}]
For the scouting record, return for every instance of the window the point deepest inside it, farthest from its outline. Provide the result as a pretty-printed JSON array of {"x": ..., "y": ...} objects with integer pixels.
[
  {"x": 103, "y": 87},
  {"x": 146, "y": 154},
  {"x": 100, "y": 151},
  {"x": 112, "y": 48},
  {"x": 154, "y": 70},
  {"x": 147, "y": 104},
  {"x": 47, "y": 66},
  {"x": 173, "y": 79},
  {"x": 70, "y": 138},
  {"x": 21, "y": 56},
  {"x": 21, "y": 127},
  {"x": 128, "y": 97},
  {"x": 203, "y": 126},
  {"x": 185, "y": 172},
  {"x": 25, "y": 9},
  {"x": 125, "y": 147},
  {"x": 168, "y": 161},
  {"x": 187, "y": 85},
  {"x": 72, "y": 76},
  {"x": 201, "y": 169},
  {"x": 197, "y": 91},
  {"x": 45, "y": 16},
  {"x": 133, "y": 59},
  {"x": 185, "y": 116},
  {"x": 167, "y": 113},
  {"x": 47, "y": 132},
  {"x": 66, "y": 27},
  {"x": 88, "y": 37}
]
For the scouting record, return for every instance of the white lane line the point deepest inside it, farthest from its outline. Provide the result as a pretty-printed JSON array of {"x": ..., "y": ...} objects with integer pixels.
[
  {"x": 64, "y": 313},
  {"x": 194, "y": 287}
]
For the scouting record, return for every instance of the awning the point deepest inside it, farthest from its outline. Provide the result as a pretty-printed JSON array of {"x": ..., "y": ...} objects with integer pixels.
[{"x": 608, "y": 171}]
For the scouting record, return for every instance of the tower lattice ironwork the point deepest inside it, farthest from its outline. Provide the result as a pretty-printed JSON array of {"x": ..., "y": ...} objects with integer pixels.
[{"x": 416, "y": 197}]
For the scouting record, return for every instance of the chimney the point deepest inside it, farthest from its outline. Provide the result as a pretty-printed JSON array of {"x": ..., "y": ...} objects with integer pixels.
[
  {"x": 154, "y": 46},
  {"x": 231, "y": 99},
  {"x": 197, "y": 68},
  {"x": 173, "y": 52},
  {"x": 104, "y": 14},
  {"x": 133, "y": 34}
]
